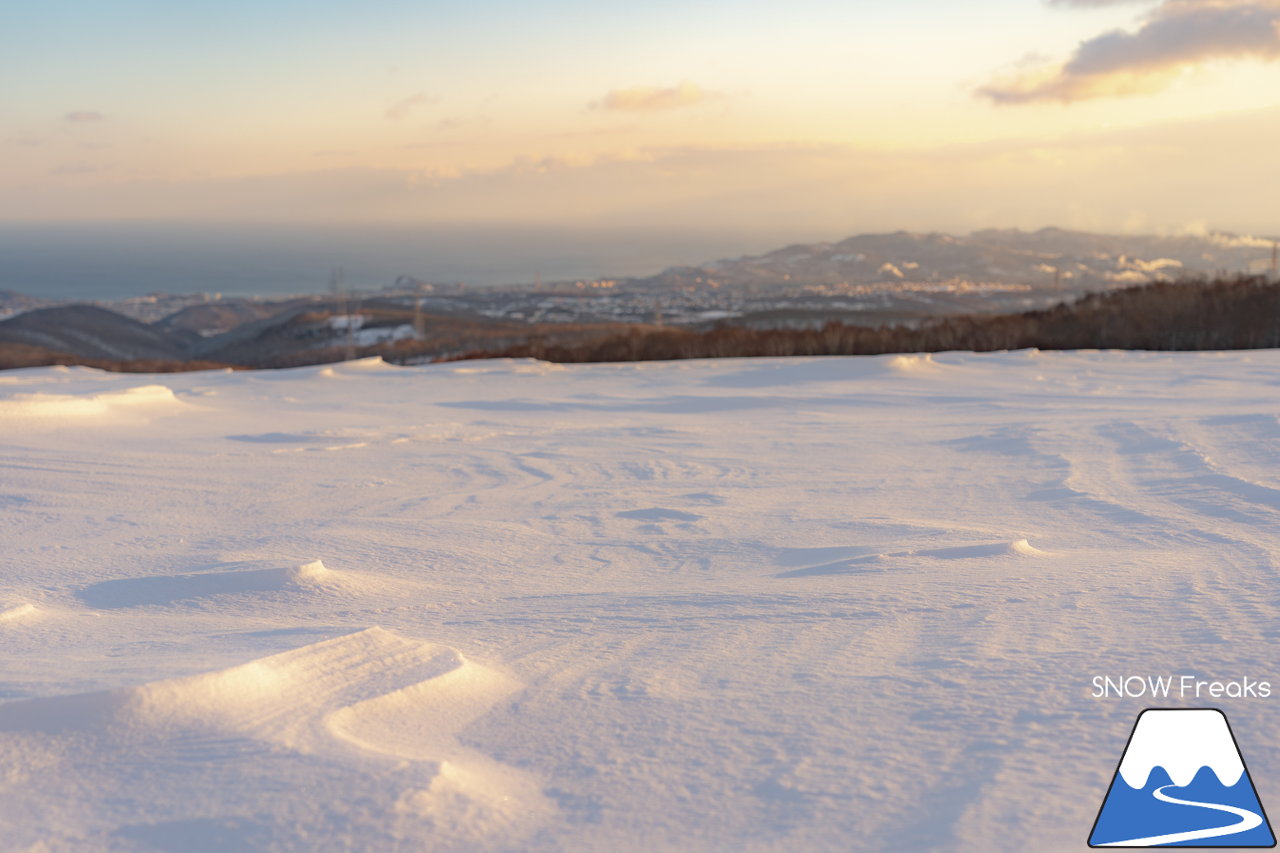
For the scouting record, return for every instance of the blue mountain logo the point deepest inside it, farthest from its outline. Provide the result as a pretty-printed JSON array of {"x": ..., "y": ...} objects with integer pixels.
[{"x": 1181, "y": 783}]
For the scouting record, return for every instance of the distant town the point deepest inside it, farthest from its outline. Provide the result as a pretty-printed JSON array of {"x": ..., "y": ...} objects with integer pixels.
[{"x": 897, "y": 279}]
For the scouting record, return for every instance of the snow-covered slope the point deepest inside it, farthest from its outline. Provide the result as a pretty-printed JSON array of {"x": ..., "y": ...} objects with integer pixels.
[
  {"x": 1028, "y": 258},
  {"x": 812, "y": 604}
]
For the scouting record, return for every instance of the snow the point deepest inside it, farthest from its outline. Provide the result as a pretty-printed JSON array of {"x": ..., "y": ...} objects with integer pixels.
[
  {"x": 65, "y": 409},
  {"x": 360, "y": 336},
  {"x": 781, "y": 604},
  {"x": 342, "y": 322},
  {"x": 384, "y": 334}
]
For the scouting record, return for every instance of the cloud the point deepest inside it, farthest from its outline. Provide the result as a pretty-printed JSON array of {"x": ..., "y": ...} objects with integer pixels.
[
  {"x": 403, "y": 107},
  {"x": 84, "y": 116},
  {"x": 653, "y": 99},
  {"x": 1171, "y": 173},
  {"x": 1176, "y": 35},
  {"x": 75, "y": 169}
]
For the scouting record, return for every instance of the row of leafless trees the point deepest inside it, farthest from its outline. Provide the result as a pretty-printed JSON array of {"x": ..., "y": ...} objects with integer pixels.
[
  {"x": 1194, "y": 314},
  {"x": 1228, "y": 313}
]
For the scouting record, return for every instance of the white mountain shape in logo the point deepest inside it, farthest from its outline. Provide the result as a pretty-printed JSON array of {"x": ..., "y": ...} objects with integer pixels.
[{"x": 1181, "y": 742}]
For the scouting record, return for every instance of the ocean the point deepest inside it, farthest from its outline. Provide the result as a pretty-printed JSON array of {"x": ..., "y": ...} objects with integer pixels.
[{"x": 102, "y": 261}]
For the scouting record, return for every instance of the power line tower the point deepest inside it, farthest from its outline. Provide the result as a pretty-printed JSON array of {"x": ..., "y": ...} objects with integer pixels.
[
  {"x": 351, "y": 326},
  {"x": 419, "y": 327},
  {"x": 338, "y": 287}
]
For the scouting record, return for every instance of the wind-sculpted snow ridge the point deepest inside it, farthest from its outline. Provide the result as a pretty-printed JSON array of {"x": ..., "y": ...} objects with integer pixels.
[
  {"x": 308, "y": 699},
  {"x": 913, "y": 363},
  {"x": 362, "y": 711},
  {"x": 877, "y": 561},
  {"x": 130, "y": 403},
  {"x": 12, "y": 613},
  {"x": 818, "y": 604},
  {"x": 356, "y": 367},
  {"x": 233, "y": 579}
]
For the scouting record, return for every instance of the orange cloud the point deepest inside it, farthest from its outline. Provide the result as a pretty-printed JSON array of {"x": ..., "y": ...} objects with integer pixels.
[
  {"x": 653, "y": 99},
  {"x": 82, "y": 116},
  {"x": 1177, "y": 34},
  {"x": 1056, "y": 83}
]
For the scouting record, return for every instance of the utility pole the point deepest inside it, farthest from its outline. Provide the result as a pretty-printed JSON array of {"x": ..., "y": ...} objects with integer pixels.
[
  {"x": 339, "y": 287},
  {"x": 418, "y": 329},
  {"x": 1275, "y": 249},
  {"x": 351, "y": 330}
]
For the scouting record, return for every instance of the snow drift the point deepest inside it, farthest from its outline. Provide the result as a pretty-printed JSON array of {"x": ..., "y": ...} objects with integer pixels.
[{"x": 801, "y": 604}]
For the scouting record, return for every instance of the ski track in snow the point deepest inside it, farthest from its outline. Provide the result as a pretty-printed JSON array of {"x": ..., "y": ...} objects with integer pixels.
[{"x": 820, "y": 604}]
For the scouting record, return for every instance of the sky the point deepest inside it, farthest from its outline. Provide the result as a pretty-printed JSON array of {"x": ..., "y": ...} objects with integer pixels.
[{"x": 812, "y": 118}]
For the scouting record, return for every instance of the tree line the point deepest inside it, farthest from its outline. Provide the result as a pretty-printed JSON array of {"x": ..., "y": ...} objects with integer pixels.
[{"x": 1240, "y": 312}]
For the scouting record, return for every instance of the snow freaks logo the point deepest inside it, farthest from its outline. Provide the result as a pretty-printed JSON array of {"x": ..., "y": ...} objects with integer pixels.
[
  {"x": 1178, "y": 686},
  {"x": 1181, "y": 782}
]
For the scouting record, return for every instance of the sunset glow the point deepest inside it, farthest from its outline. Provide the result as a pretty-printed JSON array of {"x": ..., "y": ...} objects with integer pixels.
[{"x": 831, "y": 116}]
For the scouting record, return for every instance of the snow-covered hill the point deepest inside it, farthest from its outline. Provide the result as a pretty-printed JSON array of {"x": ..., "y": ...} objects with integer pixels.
[
  {"x": 811, "y": 604},
  {"x": 1048, "y": 258}
]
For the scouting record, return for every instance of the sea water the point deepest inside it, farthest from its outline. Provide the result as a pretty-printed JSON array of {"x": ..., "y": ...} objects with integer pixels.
[{"x": 120, "y": 260}]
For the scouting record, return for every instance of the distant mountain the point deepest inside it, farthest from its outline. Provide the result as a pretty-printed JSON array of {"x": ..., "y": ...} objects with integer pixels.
[
  {"x": 12, "y": 302},
  {"x": 1044, "y": 258},
  {"x": 313, "y": 331},
  {"x": 303, "y": 331},
  {"x": 92, "y": 332},
  {"x": 209, "y": 318}
]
